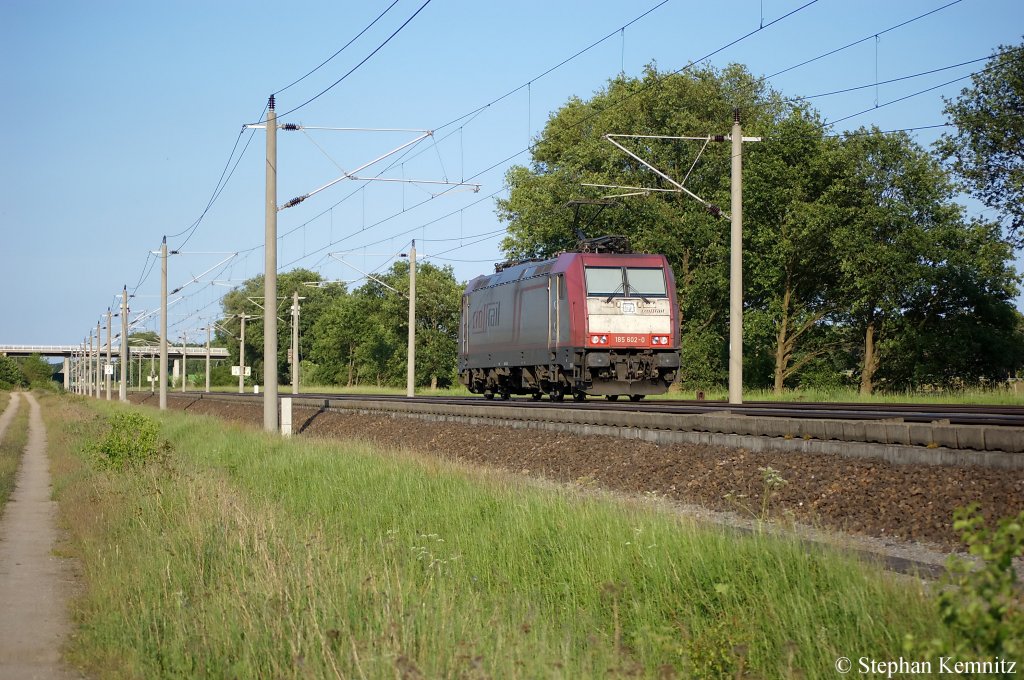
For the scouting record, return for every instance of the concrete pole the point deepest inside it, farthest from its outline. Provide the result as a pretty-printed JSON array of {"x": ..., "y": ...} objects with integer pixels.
[
  {"x": 736, "y": 267},
  {"x": 99, "y": 369},
  {"x": 410, "y": 378},
  {"x": 270, "y": 278},
  {"x": 241, "y": 358},
  {"x": 108, "y": 376},
  {"x": 125, "y": 360},
  {"x": 163, "y": 325},
  {"x": 152, "y": 372},
  {"x": 295, "y": 343},
  {"x": 83, "y": 369},
  {"x": 94, "y": 364},
  {"x": 184, "y": 363},
  {"x": 208, "y": 358}
]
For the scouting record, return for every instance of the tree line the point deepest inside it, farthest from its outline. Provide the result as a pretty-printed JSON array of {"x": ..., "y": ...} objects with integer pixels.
[
  {"x": 27, "y": 372},
  {"x": 860, "y": 267},
  {"x": 350, "y": 337}
]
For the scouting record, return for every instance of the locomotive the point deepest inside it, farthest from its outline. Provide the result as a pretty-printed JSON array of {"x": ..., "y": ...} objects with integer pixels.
[{"x": 582, "y": 323}]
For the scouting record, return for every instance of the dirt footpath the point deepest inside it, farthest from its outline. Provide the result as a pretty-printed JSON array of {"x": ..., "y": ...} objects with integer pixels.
[
  {"x": 33, "y": 582},
  {"x": 9, "y": 413}
]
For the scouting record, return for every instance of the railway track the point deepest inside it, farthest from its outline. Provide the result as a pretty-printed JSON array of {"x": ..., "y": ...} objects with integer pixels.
[
  {"x": 899, "y": 433},
  {"x": 952, "y": 414}
]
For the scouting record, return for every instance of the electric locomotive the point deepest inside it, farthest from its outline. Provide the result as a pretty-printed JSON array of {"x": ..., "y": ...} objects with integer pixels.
[{"x": 581, "y": 323}]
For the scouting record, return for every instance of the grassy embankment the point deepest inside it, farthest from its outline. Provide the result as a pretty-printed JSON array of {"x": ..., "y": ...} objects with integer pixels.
[
  {"x": 242, "y": 555},
  {"x": 11, "y": 447}
]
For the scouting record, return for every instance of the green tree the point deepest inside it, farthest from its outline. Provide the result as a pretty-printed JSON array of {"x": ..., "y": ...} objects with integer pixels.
[
  {"x": 793, "y": 270},
  {"x": 917, "y": 281},
  {"x": 248, "y": 299},
  {"x": 363, "y": 336},
  {"x": 571, "y": 152},
  {"x": 10, "y": 373},
  {"x": 37, "y": 372},
  {"x": 891, "y": 195},
  {"x": 960, "y": 325},
  {"x": 987, "y": 149}
]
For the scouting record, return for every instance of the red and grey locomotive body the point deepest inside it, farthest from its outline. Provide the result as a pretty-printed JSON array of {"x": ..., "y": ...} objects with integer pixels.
[{"x": 577, "y": 324}]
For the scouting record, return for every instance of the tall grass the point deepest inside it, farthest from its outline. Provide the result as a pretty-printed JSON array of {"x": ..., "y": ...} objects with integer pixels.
[
  {"x": 242, "y": 555},
  {"x": 850, "y": 395},
  {"x": 11, "y": 448}
]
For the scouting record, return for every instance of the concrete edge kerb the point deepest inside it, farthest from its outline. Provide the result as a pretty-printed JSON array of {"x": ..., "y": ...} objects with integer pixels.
[{"x": 919, "y": 443}]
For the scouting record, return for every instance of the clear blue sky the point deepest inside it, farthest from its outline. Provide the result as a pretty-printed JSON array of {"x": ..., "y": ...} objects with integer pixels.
[{"x": 120, "y": 116}]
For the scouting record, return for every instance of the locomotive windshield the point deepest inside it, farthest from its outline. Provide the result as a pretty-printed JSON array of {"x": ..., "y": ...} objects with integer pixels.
[{"x": 625, "y": 282}]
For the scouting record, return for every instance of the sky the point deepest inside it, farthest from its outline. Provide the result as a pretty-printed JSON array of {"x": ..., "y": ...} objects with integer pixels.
[{"x": 122, "y": 119}]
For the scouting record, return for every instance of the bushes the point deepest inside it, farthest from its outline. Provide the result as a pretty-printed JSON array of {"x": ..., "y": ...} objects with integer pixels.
[
  {"x": 130, "y": 441},
  {"x": 982, "y": 606}
]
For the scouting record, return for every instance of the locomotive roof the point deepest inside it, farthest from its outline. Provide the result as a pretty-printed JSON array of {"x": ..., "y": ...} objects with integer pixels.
[{"x": 559, "y": 263}]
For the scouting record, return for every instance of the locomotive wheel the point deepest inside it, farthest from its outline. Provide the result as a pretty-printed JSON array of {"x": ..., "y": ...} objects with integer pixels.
[
  {"x": 556, "y": 394},
  {"x": 611, "y": 397},
  {"x": 505, "y": 395},
  {"x": 536, "y": 396},
  {"x": 636, "y": 397},
  {"x": 579, "y": 396},
  {"x": 488, "y": 395}
]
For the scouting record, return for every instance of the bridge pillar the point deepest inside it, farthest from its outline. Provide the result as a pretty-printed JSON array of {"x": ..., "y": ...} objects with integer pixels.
[
  {"x": 67, "y": 373},
  {"x": 175, "y": 372}
]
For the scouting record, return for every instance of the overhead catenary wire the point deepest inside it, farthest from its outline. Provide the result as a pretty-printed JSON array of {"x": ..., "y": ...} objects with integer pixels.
[
  {"x": 471, "y": 115},
  {"x": 343, "y": 48},
  {"x": 357, "y": 66},
  {"x": 481, "y": 109},
  {"x": 896, "y": 80},
  {"x": 531, "y": 146},
  {"x": 862, "y": 40},
  {"x": 913, "y": 94}
]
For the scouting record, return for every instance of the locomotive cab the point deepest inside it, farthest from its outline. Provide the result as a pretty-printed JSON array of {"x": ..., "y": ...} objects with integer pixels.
[{"x": 630, "y": 345}]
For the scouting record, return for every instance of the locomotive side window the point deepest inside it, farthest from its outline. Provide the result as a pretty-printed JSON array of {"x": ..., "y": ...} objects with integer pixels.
[
  {"x": 604, "y": 281},
  {"x": 648, "y": 282}
]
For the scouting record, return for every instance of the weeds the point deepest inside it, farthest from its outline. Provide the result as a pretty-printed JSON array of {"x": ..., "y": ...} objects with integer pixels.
[
  {"x": 131, "y": 440},
  {"x": 771, "y": 482},
  {"x": 982, "y": 606}
]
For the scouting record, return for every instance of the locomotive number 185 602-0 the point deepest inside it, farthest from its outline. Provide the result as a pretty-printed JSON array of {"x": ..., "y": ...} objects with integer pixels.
[{"x": 630, "y": 339}]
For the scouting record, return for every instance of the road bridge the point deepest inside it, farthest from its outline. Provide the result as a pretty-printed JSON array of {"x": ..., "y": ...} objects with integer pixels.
[{"x": 78, "y": 352}]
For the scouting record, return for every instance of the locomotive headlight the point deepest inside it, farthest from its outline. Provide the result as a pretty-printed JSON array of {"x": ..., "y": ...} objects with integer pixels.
[
  {"x": 595, "y": 339},
  {"x": 655, "y": 340},
  {"x": 604, "y": 339}
]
